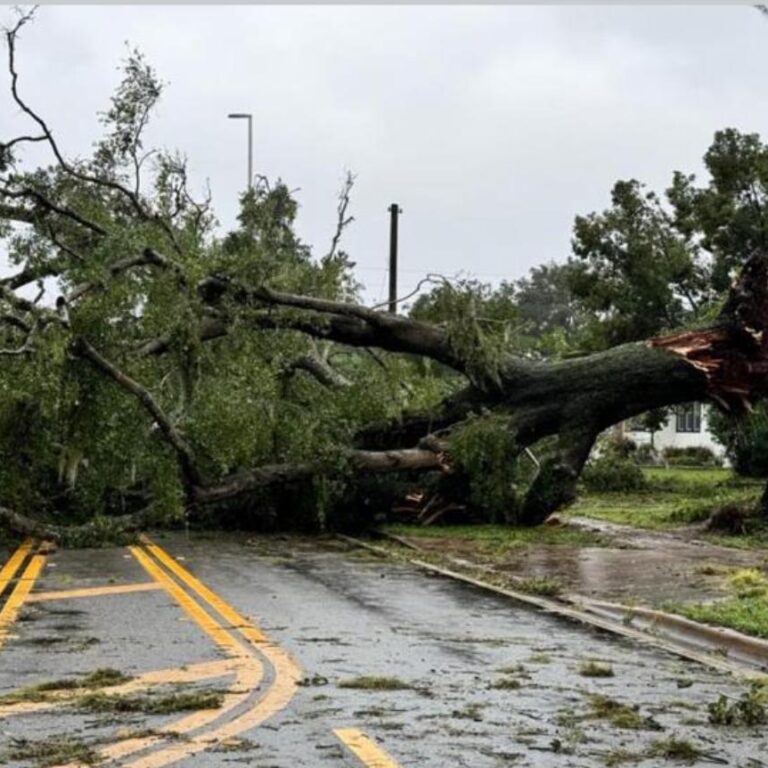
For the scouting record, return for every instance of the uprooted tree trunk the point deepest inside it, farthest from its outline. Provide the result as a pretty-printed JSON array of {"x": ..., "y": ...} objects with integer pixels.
[{"x": 573, "y": 399}]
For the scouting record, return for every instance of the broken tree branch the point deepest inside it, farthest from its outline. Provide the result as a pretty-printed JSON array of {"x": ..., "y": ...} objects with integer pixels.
[{"x": 184, "y": 454}]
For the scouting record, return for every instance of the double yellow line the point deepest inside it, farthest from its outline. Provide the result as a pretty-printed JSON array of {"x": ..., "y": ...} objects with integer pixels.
[
  {"x": 244, "y": 643},
  {"x": 24, "y": 584},
  {"x": 287, "y": 672},
  {"x": 241, "y": 640}
]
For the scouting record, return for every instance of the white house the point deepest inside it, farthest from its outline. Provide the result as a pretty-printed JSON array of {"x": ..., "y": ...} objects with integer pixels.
[{"x": 687, "y": 426}]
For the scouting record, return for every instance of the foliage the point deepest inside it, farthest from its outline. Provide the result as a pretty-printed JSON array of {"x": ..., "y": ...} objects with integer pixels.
[
  {"x": 485, "y": 449},
  {"x": 635, "y": 268},
  {"x": 745, "y": 440},
  {"x": 536, "y": 315},
  {"x": 647, "y": 455},
  {"x": 613, "y": 473},
  {"x": 692, "y": 456},
  {"x": 76, "y": 446}
]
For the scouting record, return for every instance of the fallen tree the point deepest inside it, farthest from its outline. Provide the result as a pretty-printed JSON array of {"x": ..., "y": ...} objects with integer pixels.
[{"x": 206, "y": 370}]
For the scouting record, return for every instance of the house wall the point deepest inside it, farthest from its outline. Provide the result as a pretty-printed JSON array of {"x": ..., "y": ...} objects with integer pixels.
[{"x": 669, "y": 437}]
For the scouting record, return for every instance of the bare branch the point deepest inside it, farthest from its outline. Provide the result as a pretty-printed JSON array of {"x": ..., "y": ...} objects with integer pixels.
[
  {"x": 133, "y": 197},
  {"x": 430, "y": 278},
  {"x": 8, "y": 145},
  {"x": 24, "y": 305},
  {"x": 344, "y": 322},
  {"x": 342, "y": 220}
]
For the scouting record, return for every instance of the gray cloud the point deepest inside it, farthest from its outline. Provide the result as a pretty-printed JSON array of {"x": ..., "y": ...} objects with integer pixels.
[{"x": 492, "y": 126}]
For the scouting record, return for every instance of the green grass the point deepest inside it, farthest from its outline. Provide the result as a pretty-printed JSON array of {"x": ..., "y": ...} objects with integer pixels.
[
  {"x": 744, "y": 614},
  {"x": 503, "y": 536},
  {"x": 745, "y": 611},
  {"x": 540, "y": 585},
  {"x": 707, "y": 476},
  {"x": 675, "y": 497}
]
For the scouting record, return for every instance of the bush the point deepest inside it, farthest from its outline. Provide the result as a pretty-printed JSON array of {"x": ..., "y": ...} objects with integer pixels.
[
  {"x": 612, "y": 473},
  {"x": 647, "y": 456},
  {"x": 622, "y": 447},
  {"x": 745, "y": 440},
  {"x": 692, "y": 456}
]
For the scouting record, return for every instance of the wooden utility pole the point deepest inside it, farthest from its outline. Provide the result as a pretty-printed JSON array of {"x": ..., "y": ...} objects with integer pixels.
[{"x": 394, "y": 212}]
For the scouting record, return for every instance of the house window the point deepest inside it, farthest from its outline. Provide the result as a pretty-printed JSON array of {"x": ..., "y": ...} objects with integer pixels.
[{"x": 689, "y": 418}]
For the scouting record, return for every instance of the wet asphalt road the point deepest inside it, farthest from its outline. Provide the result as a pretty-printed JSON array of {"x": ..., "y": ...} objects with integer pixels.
[{"x": 342, "y": 614}]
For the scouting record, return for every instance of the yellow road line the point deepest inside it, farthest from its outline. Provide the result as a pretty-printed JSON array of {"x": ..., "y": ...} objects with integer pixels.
[
  {"x": 227, "y": 611},
  {"x": 191, "y": 673},
  {"x": 365, "y": 748},
  {"x": 8, "y": 571},
  {"x": 248, "y": 672},
  {"x": 69, "y": 594},
  {"x": 205, "y": 621},
  {"x": 277, "y": 697},
  {"x": 247, "y": 679},
  {"x": 16, "y": 599}
]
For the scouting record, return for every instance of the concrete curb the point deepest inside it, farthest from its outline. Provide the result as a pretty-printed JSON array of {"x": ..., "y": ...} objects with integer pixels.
[{"x": 724, "y": 650}]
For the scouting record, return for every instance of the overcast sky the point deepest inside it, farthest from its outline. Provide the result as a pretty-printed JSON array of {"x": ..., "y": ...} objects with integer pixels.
[{"x": 491, "y": 126}]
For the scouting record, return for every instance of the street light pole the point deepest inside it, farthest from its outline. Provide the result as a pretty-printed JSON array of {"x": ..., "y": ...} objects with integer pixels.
[
  {"x": 249, "y": 117},
  {"x": 394, "y": 212}
]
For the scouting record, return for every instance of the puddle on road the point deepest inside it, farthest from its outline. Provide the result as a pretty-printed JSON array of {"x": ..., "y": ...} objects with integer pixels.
[{"x": 689, "y": 571}]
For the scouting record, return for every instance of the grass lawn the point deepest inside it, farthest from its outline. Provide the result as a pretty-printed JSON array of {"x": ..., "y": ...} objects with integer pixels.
[
  {"x": 746, "y": 610},
  {"x": 503, "y": 536},
  {"x": 674, "y": 497},
  {"x": 744, "y": 614}
]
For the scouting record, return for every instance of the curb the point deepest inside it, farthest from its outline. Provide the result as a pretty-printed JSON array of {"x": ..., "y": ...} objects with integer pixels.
[{"x": 725, "y": 650}]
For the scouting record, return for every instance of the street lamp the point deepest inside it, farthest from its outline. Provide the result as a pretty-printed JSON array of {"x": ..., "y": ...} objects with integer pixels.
[{"x": 249, "y": 117}]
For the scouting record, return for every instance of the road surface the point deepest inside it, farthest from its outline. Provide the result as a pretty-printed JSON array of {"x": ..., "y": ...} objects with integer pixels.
[{"x": 282, "y": 630}]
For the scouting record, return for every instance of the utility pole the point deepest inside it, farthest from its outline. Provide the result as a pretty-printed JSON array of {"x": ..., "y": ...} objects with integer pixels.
[
  {"x": 394, "y": 212},
  {"x": 249, "y": 117}
]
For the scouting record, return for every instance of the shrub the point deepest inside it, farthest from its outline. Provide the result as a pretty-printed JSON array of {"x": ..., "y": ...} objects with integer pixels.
[
  {"x": 692, "y": 456},
  {"x": 622, "y": 447},
  {"x": 745, "y": 440},
  {"x": 647, "y": 455},
  {"x": 610, "y": 473}
]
